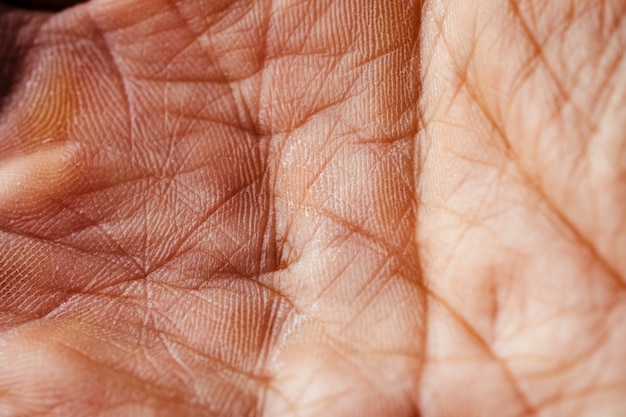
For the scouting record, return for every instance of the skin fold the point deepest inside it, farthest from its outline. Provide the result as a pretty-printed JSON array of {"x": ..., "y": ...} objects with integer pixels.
[{"x": 313, "y": 208}]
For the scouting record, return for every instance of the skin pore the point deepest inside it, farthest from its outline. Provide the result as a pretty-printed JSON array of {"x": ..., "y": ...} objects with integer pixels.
[{"x": 313, "y": 208}]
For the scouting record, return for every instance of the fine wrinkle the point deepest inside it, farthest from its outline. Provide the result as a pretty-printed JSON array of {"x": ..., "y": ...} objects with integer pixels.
[
  {"x": 576, "y": 234},
  {"x": 565, "y": 99},
  {"x": 538, "y": 59}
]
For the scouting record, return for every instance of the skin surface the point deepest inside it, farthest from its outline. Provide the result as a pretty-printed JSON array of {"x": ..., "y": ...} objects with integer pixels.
[{"x": 313, "y": 208}]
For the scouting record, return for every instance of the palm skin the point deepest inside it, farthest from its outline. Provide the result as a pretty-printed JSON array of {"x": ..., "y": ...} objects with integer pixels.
[{"x": 296, "y": 208}]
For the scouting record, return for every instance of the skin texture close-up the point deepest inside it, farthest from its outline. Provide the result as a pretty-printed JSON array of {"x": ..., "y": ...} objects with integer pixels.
[{"x": 299, "y": 208}]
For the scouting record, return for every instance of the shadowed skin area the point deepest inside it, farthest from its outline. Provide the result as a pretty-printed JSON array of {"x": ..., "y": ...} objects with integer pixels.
[
  {"x": 313, "y": 208},
  {"x": 49, "y": 5}
]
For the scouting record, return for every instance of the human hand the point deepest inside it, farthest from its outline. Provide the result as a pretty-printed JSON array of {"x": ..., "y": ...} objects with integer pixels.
[{"x": 313, "y": 208}]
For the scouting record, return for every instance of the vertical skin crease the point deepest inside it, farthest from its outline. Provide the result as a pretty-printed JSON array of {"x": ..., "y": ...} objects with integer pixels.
[{"x": 342, "y": 208}]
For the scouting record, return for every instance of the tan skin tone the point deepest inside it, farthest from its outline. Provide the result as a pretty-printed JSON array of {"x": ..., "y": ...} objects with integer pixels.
[{"x": 313, "y": 208}]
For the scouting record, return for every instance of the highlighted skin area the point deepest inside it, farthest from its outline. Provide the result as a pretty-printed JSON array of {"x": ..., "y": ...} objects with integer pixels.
[
  {"x": 31, "y": 183},
  {"x": 360, "y": 208}
]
